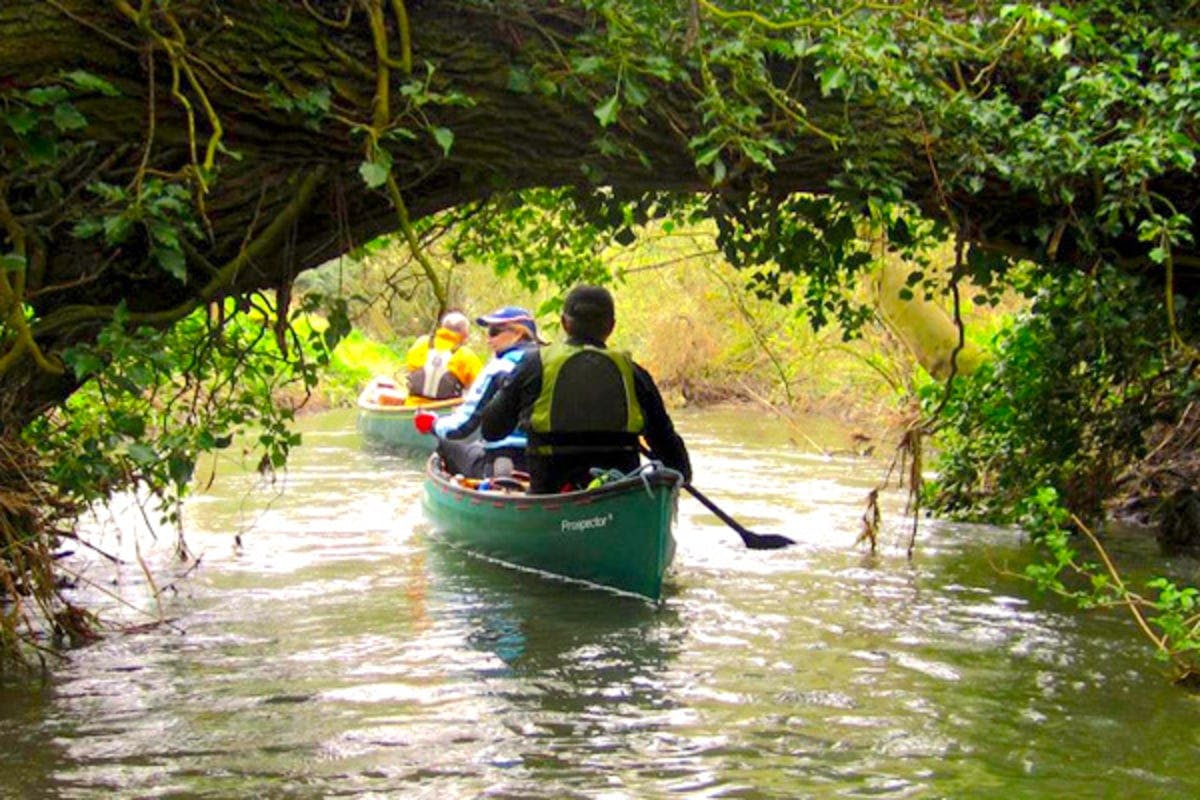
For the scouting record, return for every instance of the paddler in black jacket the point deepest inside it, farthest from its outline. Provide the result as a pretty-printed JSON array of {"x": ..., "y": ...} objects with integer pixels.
[{"x": 583, "y": 405}]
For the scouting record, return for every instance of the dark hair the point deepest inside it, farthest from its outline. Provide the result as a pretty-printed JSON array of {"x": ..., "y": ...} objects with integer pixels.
[{"x": 590, "y": 309}]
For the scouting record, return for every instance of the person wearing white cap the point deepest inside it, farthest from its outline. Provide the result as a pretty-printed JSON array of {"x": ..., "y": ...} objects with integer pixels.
[
  {"x": 440, "y": 366},
  {"x": 511, "y": 332}
]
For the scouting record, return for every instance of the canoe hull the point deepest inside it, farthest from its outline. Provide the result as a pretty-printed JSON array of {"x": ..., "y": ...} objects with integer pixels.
[
  {"x": 393, "y": 428},
  {"x": 618, "y": 536},
  {"x": 385, "y": 422}
]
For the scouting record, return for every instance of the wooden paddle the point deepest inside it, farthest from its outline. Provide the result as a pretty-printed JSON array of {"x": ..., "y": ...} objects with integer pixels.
[{"x": 752, "y": 540}]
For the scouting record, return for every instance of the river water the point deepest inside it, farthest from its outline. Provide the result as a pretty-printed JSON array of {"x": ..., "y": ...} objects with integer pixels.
[{"x": 326, "y": 646}]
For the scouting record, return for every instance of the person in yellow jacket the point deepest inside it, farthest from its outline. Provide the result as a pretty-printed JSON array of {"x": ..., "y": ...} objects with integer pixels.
[{"x": 440, "y": 366}]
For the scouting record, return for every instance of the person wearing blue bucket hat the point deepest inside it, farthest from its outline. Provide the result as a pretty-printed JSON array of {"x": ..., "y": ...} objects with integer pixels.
[{"x": 511, "y": 332}]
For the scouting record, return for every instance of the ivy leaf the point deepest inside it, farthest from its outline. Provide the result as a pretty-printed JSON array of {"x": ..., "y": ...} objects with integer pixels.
[
  {"x": 91, "y": 83},
  {"x": 116, "y": 228},
  {"x": 277, "y": 98},
  {"x": 171, "y": 259},
  {"x": 83, "y": 363},
  {"x": 444, "y": 137},
  {"x": 129, "y": 424},
  {"x": 635, "y": 93},
  {"x": 375, "y": 174},
  {"x": 47, "y": 95},
  {"x": 587, "y": 66},
  {"x": 606, "y": 112},
  {"x": 180, "y": 469},
  {"x": 165, "y": 234},
  {"x": 142, "y": 455},
  {"x": 832, "y": 79},
  {"x": 519, "y": 81},
  {"x": 316, "y": 101},
  {"x": 21, "y": 120},
  {"x": 719, "y": 172}
]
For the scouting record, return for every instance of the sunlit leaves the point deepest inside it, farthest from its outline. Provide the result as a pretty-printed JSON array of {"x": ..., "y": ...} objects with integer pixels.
[{"x": 152, "y": 401}]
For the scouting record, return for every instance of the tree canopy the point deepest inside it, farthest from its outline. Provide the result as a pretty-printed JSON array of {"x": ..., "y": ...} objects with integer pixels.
[{"x": 161, "y": 155}]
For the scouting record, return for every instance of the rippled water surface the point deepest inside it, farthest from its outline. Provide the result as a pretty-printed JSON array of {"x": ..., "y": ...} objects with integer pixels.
[{"x": 339, "y": 651}]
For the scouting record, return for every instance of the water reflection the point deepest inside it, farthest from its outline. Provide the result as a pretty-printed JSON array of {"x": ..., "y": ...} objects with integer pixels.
[{"x": 339, "y": 651}]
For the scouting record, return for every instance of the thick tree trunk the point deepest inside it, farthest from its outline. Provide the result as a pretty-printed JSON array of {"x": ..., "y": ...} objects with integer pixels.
[{"x": 288, "y": 195}]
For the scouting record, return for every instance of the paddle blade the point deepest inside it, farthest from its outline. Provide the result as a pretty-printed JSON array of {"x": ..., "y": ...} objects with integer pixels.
[
  {"x": 752, "y": 540},
  {"x": 766, "y": 541},
  {"x": 423, "y": 420}
]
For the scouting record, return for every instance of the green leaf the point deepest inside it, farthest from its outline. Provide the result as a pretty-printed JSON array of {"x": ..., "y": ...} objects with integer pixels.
[
  {"x": 172, "y": 260},
  {"x": 316, "y": 101},
  {"x": 180, "y": 469},
  {"x": 374, "y": 173},
  {"x": 11, "y": 262},
  {"x": 832, "y": 79},
  {"x": 519, "y": 81},
  {"x": 130, "y": 425},
  {"x": 719, "y": 171},
  {"x": 116, "y": 229},
  {"x": 87, "y": 228},
  {"x": 164, "y": 234},
  {"x": 143, "y": 455},
  {"x": 635, "y": 93},
  {"x": 47, "y": 95},
  {"x": 444, "y": 137},
  {"x": 21, "y": 120},
  {"x": 606, "y": 112},
  {"x": 91, "y": 83},
  {"x": 401, "y": 134},
  {"x": 587, "y": 66},
  {"x": 83, "y": 363}
]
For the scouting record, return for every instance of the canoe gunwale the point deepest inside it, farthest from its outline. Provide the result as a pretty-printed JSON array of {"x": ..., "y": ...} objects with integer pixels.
[
  {"x": 648, "y": 480},
  {"x": 407, "y": 411}
]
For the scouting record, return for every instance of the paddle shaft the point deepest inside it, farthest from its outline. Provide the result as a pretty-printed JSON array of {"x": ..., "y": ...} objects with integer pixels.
[{"x": 755, "y": 541}]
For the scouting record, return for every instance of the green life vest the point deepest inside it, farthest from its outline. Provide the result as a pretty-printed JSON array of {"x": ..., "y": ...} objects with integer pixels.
[{"x": 585, "y": 390}]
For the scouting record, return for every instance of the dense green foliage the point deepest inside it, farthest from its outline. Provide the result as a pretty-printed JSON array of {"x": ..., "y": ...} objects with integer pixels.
[
  {"x": 1057, "y": 424},
  {"x": 1066, "y": 400},
  {"x": 154, "y": 400}
]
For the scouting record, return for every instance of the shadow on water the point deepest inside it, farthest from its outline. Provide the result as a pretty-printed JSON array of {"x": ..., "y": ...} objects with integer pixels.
[{"x": 535, "y": 623}]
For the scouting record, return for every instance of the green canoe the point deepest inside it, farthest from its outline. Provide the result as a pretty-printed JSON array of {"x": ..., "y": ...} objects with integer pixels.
[
  {"x": 384, "y": 421},
  {"x": 616, "y": 536}
]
